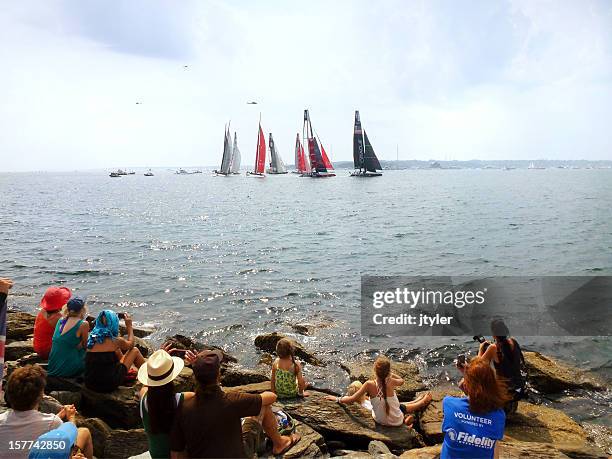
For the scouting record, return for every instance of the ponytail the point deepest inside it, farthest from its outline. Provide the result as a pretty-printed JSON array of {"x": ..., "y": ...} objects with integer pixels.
[{"x": 382, "y": 369}]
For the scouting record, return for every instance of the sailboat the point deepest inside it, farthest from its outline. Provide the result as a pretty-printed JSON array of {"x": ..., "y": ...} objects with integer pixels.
[
  {"x": 320, "y": 165},
  {"x": 226, "y": 160},
  {"x": 236, "y": 158},
  {"x": 365, "y": 160},
  {"x": 277, "y": 166},
  {"x": 301, "y": 163},
  {"x": 260, "y": 155}
]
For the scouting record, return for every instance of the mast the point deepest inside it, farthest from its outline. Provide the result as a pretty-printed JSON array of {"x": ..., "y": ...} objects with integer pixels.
[{"x": 358, "y": 150}]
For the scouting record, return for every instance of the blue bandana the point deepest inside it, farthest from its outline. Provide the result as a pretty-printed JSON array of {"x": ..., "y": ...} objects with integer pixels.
[{"x": 100, "y": 331}]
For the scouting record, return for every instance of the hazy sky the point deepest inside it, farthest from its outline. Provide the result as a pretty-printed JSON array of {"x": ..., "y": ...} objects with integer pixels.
[{"x": 441, "y": 79}]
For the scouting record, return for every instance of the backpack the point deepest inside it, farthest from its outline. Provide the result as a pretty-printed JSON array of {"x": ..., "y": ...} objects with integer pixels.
[{"x": 286, "y": 424}]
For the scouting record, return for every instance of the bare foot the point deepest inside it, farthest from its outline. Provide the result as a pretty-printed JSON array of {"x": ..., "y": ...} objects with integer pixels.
[
  {"x": 286, "y": 443},
  {"x": 409, "y": 420}
]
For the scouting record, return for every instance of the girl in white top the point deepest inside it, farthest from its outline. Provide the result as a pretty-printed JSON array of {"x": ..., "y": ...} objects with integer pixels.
[{"x": 386, "y": 408}]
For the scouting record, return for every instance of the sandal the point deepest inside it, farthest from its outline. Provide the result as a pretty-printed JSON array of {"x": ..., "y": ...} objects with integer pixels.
[{"x": 295, "y": 438}]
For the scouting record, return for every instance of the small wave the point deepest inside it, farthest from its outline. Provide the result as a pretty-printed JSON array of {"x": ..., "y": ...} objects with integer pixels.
[{"x": 78, "y": 272}]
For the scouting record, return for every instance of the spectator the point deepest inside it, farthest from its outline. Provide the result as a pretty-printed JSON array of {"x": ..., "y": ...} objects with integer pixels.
[
  {"x": 5, "y": 286},
  {"x": 67, "y": 358},
  {"x": 364, "y": 399},
  {"x": 109, "y": 357},
  {"x": 473, "y": 424},
  {"x": 507, "y": 358},
  {"x": 386, "y": 408},
  {"x": 209, "y": 424},
  {"x": 287, "y": 379},
  {"x": 60, "y": 443},
  {"x": 158, "y": 400},
  {"x": 46, "y": 320},
  {"x": 21, "y": 425}
]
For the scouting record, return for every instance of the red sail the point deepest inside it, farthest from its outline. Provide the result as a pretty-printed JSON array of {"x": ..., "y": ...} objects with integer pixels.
[
  {"x": 326, "y": 162},
  {"x": 300, "y": 156},
  {"x": 260, "y": 155}
]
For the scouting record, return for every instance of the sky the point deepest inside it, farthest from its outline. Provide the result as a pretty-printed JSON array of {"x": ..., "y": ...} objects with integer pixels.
[{"x": 435, "y": 79}]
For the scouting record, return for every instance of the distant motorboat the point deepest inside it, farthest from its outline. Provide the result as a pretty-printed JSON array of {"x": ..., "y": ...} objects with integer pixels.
[
  {"x": 148, "y": 173},
  {"x": 114, "y": 174}
]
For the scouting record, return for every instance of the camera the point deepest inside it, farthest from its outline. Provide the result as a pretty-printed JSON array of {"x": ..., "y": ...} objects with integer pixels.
[
  {"x": 479, "y": 338},
  {"x": 121, "y": 315}
]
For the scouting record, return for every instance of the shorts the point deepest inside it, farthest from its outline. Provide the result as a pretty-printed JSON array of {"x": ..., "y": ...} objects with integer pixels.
[{"x": 253, "y": 437}]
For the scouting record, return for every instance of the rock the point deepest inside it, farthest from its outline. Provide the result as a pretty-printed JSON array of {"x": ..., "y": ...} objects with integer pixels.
[
  {"x": 312, "y": 444},
  {"x": 268, "y": 342},
  {"x": 256, "y": 388},
  {"x": 143, "y": 346},
  {"x": 379, "y": 450},
  {"x": 119, "y": 408},
  {"x": 302, "y": 329},
  {"x": 351, "y": 424},
  {"x": 185, "y": 381},
  {"x": 18, "y": 349},
  {"x": 19, "y": 325},
  {"x": 139, "y": 332},
  {"x": 67, "y": 398},
  {"x": 600, "y": 435},
  {"x": 363, "y": 370},
  {"x": 551, "y": 376},
  {"x": 540, "y": 424},
  {"x": 184, "y": 342},
  {"x": 347, "y": 454},
  {"x": 430, "y": 420},
  {"x": 124, "y": 443},
  {"x": 58, "y": 384},
  {"x": 100, "y": 431},
  {"x": 266, "y": 359},
  {"x": 235, "y": 375},
  {"x": 429, "y": 452}
]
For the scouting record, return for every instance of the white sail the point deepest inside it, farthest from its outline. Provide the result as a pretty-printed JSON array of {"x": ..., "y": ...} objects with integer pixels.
[
  {"x": 227, "y": 154},
  {"x": 235, "y": 167},
  {"x": 276, "y": 162}
]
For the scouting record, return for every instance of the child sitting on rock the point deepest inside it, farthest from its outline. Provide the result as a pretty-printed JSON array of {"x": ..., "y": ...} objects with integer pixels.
[
  {"x": 386, "y": 408},
  {"x": 287, "y": 380},
  {"x": 364, "y": 399}
]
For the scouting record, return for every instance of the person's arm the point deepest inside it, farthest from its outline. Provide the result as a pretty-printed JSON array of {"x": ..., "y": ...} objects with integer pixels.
[
  {"x": 483, "y": 347},
  {"x": 143, "y": 391},
  {"x": 268, "y": 398},
  {"x": 273, "y": 378},
  {"x": 300, "y": 378},
  {"x": 348, "y": 399},
  {"x": 489, "y": 354},
  {"x": 130, "y": 329},
  {"x": 83, "y": 333},
  {"x": 396, "y": 380}
]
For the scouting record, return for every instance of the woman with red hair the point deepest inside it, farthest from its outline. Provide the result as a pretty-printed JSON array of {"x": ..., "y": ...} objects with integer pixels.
[{"x": 473, "y": 424}]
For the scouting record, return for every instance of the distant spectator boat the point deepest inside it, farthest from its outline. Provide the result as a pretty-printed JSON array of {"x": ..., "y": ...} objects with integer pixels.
[
  {"x": 365, "y": 160},
  {"x": 148, "y": 173}
]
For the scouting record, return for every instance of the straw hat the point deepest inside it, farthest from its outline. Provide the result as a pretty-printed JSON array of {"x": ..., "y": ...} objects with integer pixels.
[{"x": 160, "y": 369}]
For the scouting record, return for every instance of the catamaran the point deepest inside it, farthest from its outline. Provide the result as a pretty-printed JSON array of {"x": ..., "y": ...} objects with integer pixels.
[
  {"x": 235, "y": 167},
  {"x": 320, "y": 165},
  {"x": 226, "y": 160},
  {"x": 301, "y": 163},
  {"x": 277, "y": 166},
  {"x": 365, "y": 160},
  {"x": 260, "y": 155}
]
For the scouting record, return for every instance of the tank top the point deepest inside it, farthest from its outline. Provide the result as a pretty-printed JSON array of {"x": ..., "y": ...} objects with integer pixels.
[
  {"x": 285, "y": 383},
  {"x": 159, "y": 444},
  {"x": 66, "y": 359},
  {"x": 510, "y": 368},
  {"x": 395, "y": 417},
  {"x": 43, "y": 335}
]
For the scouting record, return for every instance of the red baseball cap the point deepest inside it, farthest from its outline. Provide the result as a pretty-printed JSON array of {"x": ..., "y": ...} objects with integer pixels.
[{"x": 55, "y": 298}]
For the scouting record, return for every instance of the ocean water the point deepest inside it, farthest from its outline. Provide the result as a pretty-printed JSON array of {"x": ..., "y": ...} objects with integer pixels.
[{"x": 224, "y": 259}]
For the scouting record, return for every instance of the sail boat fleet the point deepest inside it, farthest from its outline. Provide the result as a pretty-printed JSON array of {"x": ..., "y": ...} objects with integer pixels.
[{"x": 315, "y": 163}]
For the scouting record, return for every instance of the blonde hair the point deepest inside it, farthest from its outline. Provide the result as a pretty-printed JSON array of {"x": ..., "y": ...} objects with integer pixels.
[{"x": 353, "y": 388}]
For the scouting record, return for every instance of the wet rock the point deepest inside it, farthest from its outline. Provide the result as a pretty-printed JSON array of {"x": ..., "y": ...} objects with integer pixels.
[
  {"x": 185, "y": 381},
  {"x": 118, "y": 408},
  {"x": 268, "y": 342},
  {"x": 551, "y": 376},
  {"x": 430, "y": 420},
  {"x": 312, "y": 444},
  {"x": 599, "y": 435},
  {"x": 235, "y": 375},
  {"x": 379, "y": 450},
  {"x": 348, "y": 454},
  {"x": 184, "y": 342},
  {"x": 351, "y": 424},
  {"x": 124, "y": 443},
  {"x": 256, "y": 388},
  {"x": 266, "y": 359},
  {"x": 18, "y": 349},
  {"x": 364, "y": 370},
  {"x": 302, "y": 329},
  {"x": 540, "y": 424},
  {"x": 67, "y": 398},
  {"x": 429, "y": 452},
  {"x": 19, "y": 325}
]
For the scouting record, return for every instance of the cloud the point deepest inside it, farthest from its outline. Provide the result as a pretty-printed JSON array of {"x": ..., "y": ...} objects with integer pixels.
[{"x": 508, "y": 79}]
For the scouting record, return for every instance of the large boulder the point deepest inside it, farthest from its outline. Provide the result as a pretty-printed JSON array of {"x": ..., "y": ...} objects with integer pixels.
[
  {"x": 185, "y": 381},
  {"x": 513, "y": 450},
  {"x": 255, "y": 388},
  {"x": 19, "y": 325},
  {"x": 363, "y": 370},
  {"x": 429, "y": 452},
  {"x": 430, "y": 420},
  {"x": 379, "y": 450},
  {"x": 351, "y": 424},
  {"x": 312, "y": 443},
  {"x": 144, "y": 346},
  {"x": 67, "y": 398},
  {"x": 236, "y": 375},
  {"x": 18, "y": 349},
  {"x": 119, "y": 408},
  {"x": 184, "y": 342},
  {"x": 100, "y": 431},
  {"x": 268, "y": 342},
  {"x": 125, "y": 443},
  {"x": 551, "y": 376},
  {"x": 537, "y": 423}
]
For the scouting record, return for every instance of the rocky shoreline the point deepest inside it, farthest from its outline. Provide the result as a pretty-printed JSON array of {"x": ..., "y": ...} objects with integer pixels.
[{"x": 327, "y": 428}]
